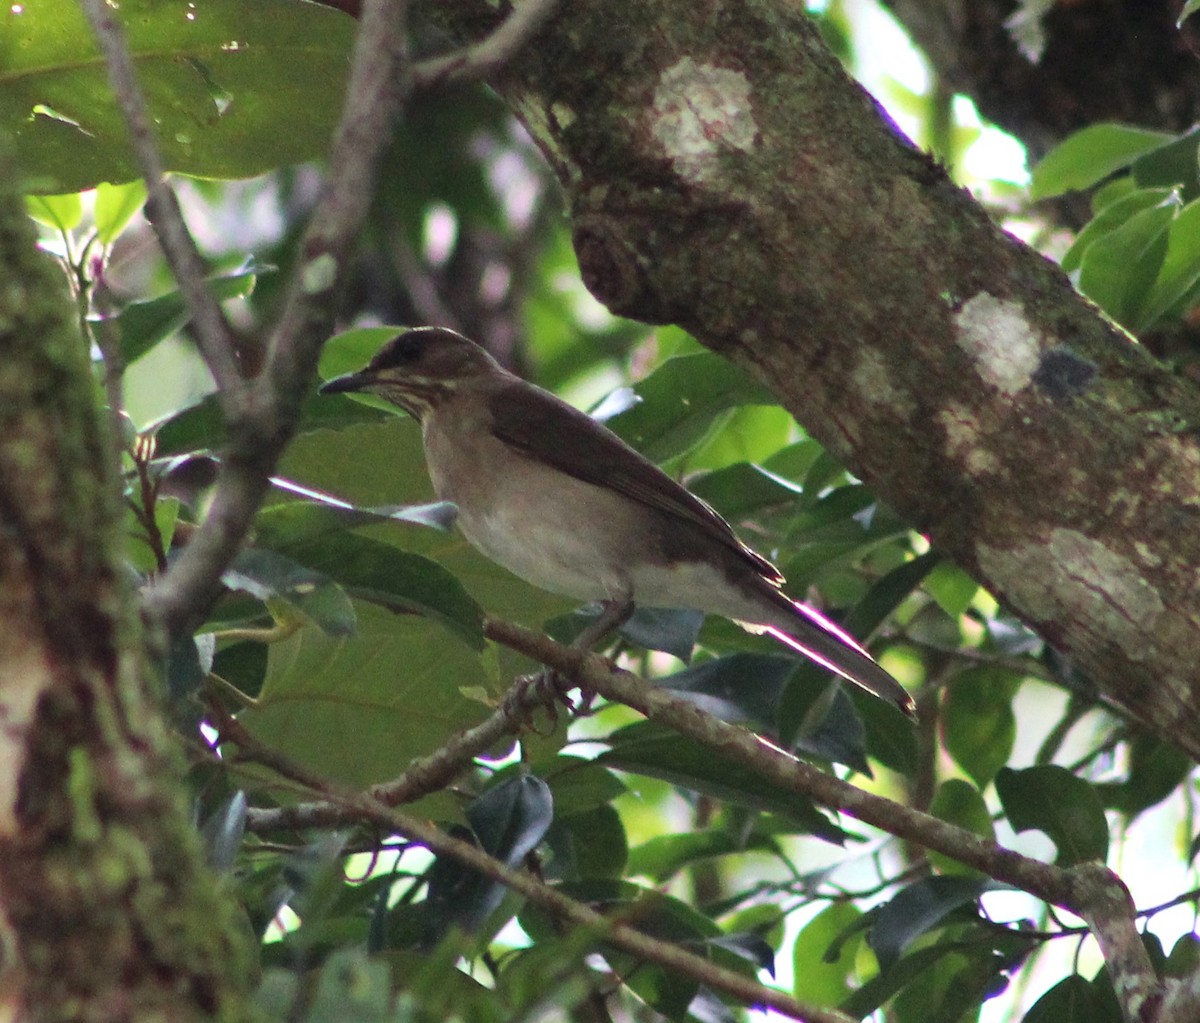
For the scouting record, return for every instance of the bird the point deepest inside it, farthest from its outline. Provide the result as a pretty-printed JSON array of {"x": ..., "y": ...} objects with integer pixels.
[{"x": 561, "y": 501}]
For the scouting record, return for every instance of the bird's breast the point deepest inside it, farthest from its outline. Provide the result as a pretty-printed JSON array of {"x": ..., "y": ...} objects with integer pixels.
[{"x": 552, "y": 530}]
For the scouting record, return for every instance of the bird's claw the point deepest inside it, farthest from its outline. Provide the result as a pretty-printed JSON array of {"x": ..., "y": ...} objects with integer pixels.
[
  {"x": 528, "y": 693},
  {"x": 547, "y": 689}
]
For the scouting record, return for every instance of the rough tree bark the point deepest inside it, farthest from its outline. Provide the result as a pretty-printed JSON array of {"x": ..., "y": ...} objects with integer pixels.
[
  {"x": 107, "y": 910},
  {"x": 723, "y": 173}
]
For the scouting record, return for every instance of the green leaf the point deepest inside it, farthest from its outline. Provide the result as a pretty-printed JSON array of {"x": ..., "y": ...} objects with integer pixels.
[
  {"x": 212, "y": 78},
  {"x": 919, "y": 908},
  {"x": 272, "y": 578},
  {"x": 579, "y": 785},
  {"x": 959, "y": 983},
  {"x": 977, "y": 721},
  {"x": 1180, "y": 271},
  {"x": 544, "y": 974},
  {"x": 509, "y": 819},
  {"x": 378, "y": 572},
  {"x": 1053, "y": 800},
  {"x": 201, "y": 426},
  {"x": 890, "y": 736},
  {"x": 922, "y": 967},
  {"x": 1071, "y": 1000},
  {"x": 738, "y": 688},
  {"x": 115, "y": 206},
  {"x": 649, "y": 749},
  {"x": 1184, "y": 960},
  {"x": 142, "y": 325},
  {"x": 840, "y": 735},
  {"x": 951, "y": 587},
  {"x": 1112, "y": 191},
  {"x": 1173, "y": 165},
  {"x": 959, "y": 802},
  {"x": 888, "y": 593},
  {"x": 662, "y": 857},
  {"x": 743, "y": 489},
  {"x": 1156, "y": 769},
  {"x": 823, "y": 970},
  {"x": 359, "y": 710},
  {"x": 591, "y": 843},
  {"x": 660, "y": 916},
  {"x": 1113, "y": 216},
  {"x": 682, "y": 400},
  {"x": 1090, "y": 155},
  {"x": 1119, "y": 268},
  {"x": 351, "y": 988},
  {"x": 61, "y": 212}
]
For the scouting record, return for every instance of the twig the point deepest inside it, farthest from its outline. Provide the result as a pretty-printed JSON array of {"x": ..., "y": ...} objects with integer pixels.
[
  {"x": 423, "y": 776},
  {"x": 489, "y": 54},
  {"x": 747, "y": 991},
  {"x": 378, "y": 86},
  {"x": 213, "y": 335},
  {"x": 1089, "y": 890},
  {"x": 365, "y": 808}
]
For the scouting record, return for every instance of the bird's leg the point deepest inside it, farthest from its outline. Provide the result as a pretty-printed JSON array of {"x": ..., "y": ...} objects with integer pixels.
[
  {"x": 549, "y": 684},
  {"x": 613, "y": 614}
]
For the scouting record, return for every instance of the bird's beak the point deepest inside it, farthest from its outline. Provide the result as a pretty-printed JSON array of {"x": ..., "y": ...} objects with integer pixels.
[{"x": 347, "y": 382}]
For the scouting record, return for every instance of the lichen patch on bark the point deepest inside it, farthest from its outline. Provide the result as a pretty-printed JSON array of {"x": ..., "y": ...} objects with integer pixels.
[
  {"x": 1069, "y": 575},
  {"x": 964, "y": 442},
  {"x": 699, "y": 111},
  {"x": 999, "y": 337}
]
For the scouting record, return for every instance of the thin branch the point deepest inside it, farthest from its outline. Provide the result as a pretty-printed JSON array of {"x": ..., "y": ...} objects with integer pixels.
[
  {"x": 749, "y": 992},
  {"x": 364, "y": 807},
  {"x": 423, "y": 776},
  {"x": 213, "y": 335},
  {"x": 1089, "y": 890},
  {"x": 484, "y": 58},
  {"x": 378, "y": 86}
]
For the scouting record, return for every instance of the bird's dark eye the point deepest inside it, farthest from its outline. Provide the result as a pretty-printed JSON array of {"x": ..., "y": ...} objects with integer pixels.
[{"x": 400, "y": 351}]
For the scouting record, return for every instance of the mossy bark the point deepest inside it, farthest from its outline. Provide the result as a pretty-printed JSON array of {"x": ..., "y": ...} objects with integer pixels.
[{"x": 107, "y": 910}]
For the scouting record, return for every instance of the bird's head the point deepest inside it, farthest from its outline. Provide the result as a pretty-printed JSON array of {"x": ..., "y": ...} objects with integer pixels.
[{"x": 418, "y": 369}]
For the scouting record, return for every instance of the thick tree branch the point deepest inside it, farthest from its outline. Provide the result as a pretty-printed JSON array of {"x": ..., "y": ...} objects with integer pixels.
[
  {"x": 106, "y": 908},
  {"x": 761, "y": 202}
]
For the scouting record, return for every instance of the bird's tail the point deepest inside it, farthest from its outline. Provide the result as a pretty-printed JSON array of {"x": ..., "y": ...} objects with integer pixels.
[{"x": 810, "y": 633}]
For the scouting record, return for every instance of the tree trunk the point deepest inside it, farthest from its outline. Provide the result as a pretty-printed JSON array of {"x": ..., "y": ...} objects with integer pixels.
[
  {"x": 723, "y": 173},
  {"x": 107, "y": 910}
]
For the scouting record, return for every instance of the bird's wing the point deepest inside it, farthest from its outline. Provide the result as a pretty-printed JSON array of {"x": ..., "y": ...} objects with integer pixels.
[{"x": 544, "y": 427}]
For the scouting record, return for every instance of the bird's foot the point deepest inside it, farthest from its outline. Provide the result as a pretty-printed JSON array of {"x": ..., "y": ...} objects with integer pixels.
[{"x": 542, "y": 690}]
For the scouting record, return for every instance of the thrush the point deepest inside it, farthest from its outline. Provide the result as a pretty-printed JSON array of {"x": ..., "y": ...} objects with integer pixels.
[{"x": 561, "y": 501}]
